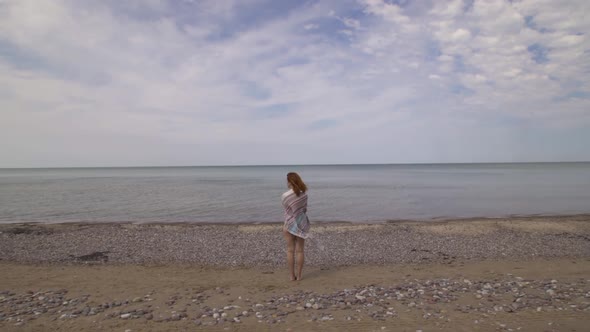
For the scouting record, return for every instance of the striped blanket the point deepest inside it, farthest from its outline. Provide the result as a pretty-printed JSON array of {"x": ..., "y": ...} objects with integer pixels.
[{"x": 296, "y": 221}]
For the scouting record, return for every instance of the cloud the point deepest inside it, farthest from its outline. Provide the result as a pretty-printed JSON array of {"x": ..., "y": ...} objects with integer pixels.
[
  {"x": 310, "y": 26},
  {"x": 203, "y": 82}
]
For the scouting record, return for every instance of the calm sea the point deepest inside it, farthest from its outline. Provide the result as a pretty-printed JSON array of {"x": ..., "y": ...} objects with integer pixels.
[{"x": 357, "y": 193}]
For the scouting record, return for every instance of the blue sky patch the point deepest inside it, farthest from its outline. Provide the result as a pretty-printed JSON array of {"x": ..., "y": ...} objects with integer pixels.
[
  {"x": 323, "y": 124},
  {"x": 460, "y": 89},
  {"x": 573, "y": 95},
  {"x": 538, "y": 53},
  {"x": 254, "y": 90},
  {"x": 274, "y": 110}
]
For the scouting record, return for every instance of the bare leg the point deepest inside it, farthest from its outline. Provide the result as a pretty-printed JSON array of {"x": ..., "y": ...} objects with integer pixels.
[
  {"x": 300, "y": 256},
  {"x": 290, "y": 238}
]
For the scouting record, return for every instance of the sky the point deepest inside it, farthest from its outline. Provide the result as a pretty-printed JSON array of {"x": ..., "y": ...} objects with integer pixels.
[{"x": 266, "y": 82}]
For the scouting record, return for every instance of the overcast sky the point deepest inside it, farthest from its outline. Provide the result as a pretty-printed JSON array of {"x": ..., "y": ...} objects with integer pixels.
[{"x": 231, "y": 82}]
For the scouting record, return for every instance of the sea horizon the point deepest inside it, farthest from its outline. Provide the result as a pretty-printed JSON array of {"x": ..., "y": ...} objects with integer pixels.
[
  {"x": 295, "y": 165},
  {"x": 345, "y": 193}
]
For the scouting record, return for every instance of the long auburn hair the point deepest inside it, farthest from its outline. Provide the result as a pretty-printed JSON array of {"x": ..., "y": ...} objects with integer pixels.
[{"x": 296, "y": 183}]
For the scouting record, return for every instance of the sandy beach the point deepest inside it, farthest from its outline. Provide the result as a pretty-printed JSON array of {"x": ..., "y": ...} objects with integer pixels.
[{"x": 513, "y": 274}]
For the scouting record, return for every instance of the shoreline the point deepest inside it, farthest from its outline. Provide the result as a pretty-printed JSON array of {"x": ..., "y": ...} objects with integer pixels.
[
  {"x": 330, "y": 244},
  {"x": 441, "y": 219},
  {"x": 511, "y": 274}
]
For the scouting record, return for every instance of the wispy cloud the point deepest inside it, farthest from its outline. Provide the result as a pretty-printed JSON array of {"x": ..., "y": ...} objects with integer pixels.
[{"x": 253, "y": 82}]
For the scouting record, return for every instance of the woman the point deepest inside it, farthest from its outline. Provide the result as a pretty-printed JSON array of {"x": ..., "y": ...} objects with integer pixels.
[{"x": 296, "y": 225}]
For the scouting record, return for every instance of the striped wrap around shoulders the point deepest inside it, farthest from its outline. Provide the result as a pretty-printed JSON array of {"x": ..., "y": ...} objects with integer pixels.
[{"x": 296, "y": 220}]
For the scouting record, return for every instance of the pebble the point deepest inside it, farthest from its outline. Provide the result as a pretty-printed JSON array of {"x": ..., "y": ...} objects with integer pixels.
[
  {"x": 207, "y": 236},
  {"x": 74, "y": 242},
  {"x": 371, "y": 302}
]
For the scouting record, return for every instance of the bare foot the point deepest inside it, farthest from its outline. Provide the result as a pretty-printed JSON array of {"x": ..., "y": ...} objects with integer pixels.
[{"x": 293, "y": 278}]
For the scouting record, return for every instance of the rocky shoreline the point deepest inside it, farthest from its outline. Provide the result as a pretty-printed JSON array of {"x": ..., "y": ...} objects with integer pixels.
[
  {"x": 514, "y": 274},
  {"x": 336, "y": 244}
]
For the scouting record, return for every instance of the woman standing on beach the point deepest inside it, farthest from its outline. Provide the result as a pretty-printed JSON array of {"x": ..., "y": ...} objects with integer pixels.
[{"x": 296, "y": 225}]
